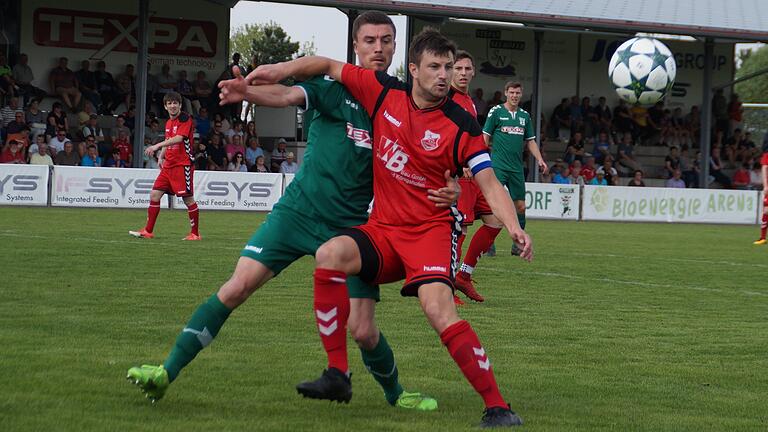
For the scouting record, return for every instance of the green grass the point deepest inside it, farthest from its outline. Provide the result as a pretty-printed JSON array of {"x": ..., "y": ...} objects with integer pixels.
[{"x": 613, "y": 327}]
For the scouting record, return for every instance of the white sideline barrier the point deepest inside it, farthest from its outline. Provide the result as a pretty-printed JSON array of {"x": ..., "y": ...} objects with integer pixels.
[
  {"x": 224, "y": 190},
  {"x": 644, "y": 204},
  {"x": 552, "y": 201},
  {"x": 24, "y": 184},
  {"x": 287, "y": 179},
  {"x": 102, "y": 187}
]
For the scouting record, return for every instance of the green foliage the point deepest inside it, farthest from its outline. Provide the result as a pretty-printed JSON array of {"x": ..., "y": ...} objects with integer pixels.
[
  {"x": 754, "y": 90},
  {"x": 400, "y": 73},
  {"x": 264, "y": 43}
]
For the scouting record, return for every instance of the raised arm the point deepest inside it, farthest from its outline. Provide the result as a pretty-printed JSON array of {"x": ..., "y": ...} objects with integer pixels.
[{"x": 303, "y": 67}]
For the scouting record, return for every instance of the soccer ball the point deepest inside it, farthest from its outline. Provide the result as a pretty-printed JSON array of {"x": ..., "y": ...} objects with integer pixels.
[{"x": 642, "y": 70}]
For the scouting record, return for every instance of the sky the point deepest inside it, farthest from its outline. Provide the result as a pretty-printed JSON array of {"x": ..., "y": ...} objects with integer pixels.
[{"x": 326, "y": 26}]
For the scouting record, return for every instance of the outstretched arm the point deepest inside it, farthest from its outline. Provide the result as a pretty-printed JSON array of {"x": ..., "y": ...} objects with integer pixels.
[
  {"x": 276, "y": 96},
  {"x": 302, "y": 67}
]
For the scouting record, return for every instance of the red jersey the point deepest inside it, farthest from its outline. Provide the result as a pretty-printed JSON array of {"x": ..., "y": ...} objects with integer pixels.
[
  {"x": 125, "y": 148},
  {"x": 464, "y": 100},
  {"x": 179, "y": 153},
  {"x": 413, "y": 147}
]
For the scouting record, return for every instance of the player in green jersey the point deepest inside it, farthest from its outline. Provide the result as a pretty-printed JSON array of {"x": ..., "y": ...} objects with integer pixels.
[
  {"x": 507, "y": 128},
  {"x": 331, "y": 191}
]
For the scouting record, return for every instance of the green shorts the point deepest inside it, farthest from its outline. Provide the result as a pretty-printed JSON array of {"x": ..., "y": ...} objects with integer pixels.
[
  {"x": 290, "y": 234},
  {"x": 514, "y": 181}
]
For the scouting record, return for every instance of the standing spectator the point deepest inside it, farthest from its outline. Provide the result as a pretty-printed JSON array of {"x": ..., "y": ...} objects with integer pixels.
[
  {"x": 154, "y": 97},
  {"x": 561, "y": 120},
  {"x": 622, "y": 118},
  {"x": 577, "y": 121},
  {"x": 735, "y": 112},
  {"x": 64, "y": 84},
  {"x": 741, "y": 178},
  {"x": 260, "y": 167},
  {"x": 589, "y": 117},
  {"x": 603, "y": 117},
  {"x": 105, "y": 85},
  {"x": 279, "y": 155},
  {"x": 91, "y": 158},
  {"x": 237, "y": 164},
  {"x": 575, "y": 149},
  {"x": 184, "y": 88},
  {"x": 87, "y": 83},
  {"x": 7, "y": 84},
  {"x": 602, "y": 147},
  {"x": 217, "y": 156},
  {"x": 69, "y": 156},
  {"x": 676, "y": 181},
  {"x": 201, "y": 156},
  {"x": 720, "y": 112},
  {"x": 480, "y": 105},
  {"x": 23, "y": 77},
  {"x": 637, "y": 179},
  {"x": 203, "y": 91},
  {"x": 41, "y": 156},
  {"x": 124, "y": 88},
  {"x": 289, "y": 165},
  {"x": 123, "y": 145},
  {"x": 253, "y": 151},
  {"x": 57, "y": 142},
  {"x": 671, "y": 162},
  {"x": 13, "y": 154},
  {"x": 116, "y": 160}
]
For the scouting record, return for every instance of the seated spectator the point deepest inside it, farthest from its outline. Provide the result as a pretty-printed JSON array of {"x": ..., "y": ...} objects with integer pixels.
[
  {"x": 86, "y": 81},
  {"x": 575, "y": 149},
  {"x": 123, "y": 144},
  {"x": 279, "y": 155},
  {"x": 756, "y": 176},
  {"x": 105, "y": 85},
  {"x": 637, "y": 179},
  {"x": 225, "y": 125},
  {"x": 609, "y": 172},
  {"x": 91, "y": 158},
  {"x": 693, "y": 122},
  {"x": 560, "y": 173},
  {"x": 7, "y": 84},
  {"x": 22, "y": 137},
  {"x": 250, "y": 131},
  {"x": 92, "y": 129},
  {"x": 57, "y": 142},
  {"x": 23, "y": 77},
  {"x": 8, "y": 113},
  {"x": 217, "y": 129},
  {"x": 589, "y": 170},
  {"x": 480, "y": 105},
  {"x": 64, "y": 84},
  {"x": 39, "y": 139},
  {"x": 622, "y": 118},
  {"x": 671, "y": 162},
  {"x": 57, "y": 119},
  {"x": 741, "y": 178},
  {"x": 575, "y": 176},
  {"x": 41, "y": 156},
  {"x": 676, "y": 180},
  {"x": 289, "y": 165},
  {"x": 599, "y": 179},
  {"x": 124, "y": 88},
  {"x": 237, "y": 129},
  {"x": 603, "y": 115},
  {"x": 201, "y": 156},
  {"x": 120, "y": 127},
  {"x": 253, "y": 151},
  {"x": 237, "y": 164},
  {"x": 130, "y": 119},
  {"x": 730, "y": 150},
  {"x": 69, "y": 156},
  {"x": 167, "y": 83},
  {"x": 561, "y": 120},
  {"x": 35, "y": 118},
  {"x": 260, "y": 166},
  {"x": 686, "y": 167},
  {"x": 747, "y": 148},
  {"x": 217, "y": 156},
  {"x": 116, "y": 160},
  {"x": 602, "y": 147},
  {"x": 184, "y": 88},
  {"x": 13, "y": 154},
  {"x": 203, "y": 92},
  {"x": 202, "y": 122},
  {"x": 588, "y": 117},
  {"x": 17, "y": 125},
  {"x": 716, "y": 168},
  {"x": 234, "y": 146}
]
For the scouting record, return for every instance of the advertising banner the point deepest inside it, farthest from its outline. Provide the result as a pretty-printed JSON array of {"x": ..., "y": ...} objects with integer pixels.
[
  {"x": 288, "y": 179},
  {"x": 552, "y": 201},
  {"x": 103, "y": 187},
  {"x": 222, "y": 190},
  {"x": 24, "y": 185},
  {"x": 615, "y": 203}
]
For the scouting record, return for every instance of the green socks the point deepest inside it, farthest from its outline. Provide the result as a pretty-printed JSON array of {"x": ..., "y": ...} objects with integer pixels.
[
  {"x": 198, "y": 334},
  {"x": 521, "y": 219},
  {"x": 380, "y": 362}
]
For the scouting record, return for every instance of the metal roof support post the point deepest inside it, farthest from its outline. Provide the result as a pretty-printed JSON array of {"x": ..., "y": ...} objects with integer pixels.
[
  {"x": 536, "y": 97},
  {"x": 141, "y": 85},
  {"x": 352, "y": 14},
  {"x": 705, "y": 137}
]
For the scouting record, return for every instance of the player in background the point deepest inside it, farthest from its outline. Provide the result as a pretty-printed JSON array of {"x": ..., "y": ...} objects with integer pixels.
[
  {"x": 337, "y": 175},
  {"x": 418, "y": 134},
  {"x": 471, "y": 203},
  {"x": 177, "y": 171},
  {"x": 764, "y": 168}
]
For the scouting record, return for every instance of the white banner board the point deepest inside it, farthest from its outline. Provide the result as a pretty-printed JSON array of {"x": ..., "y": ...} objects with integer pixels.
[
  {"x": 288, "y": 178},
  {"x": 643, "y": 204},
  {"x": 103, "y": 187},
  {"x": 24, "y": 184},
  {"x": 552, "y": 201},
  {"x": 224, "y": 190}
]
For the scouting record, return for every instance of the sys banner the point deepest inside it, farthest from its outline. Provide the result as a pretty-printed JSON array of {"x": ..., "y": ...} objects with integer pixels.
[
  {"x": 552, "y": 201},
  {"x": 222, "y": 190},
  {"x": 103, "y": 187},
  {"x": 288, "y": 179},
  {"x": 24, "y": 185},
  {"x": 615, "y": 203}
]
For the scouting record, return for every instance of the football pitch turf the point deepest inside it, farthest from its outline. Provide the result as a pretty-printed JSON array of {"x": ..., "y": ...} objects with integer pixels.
[{"x": 614, "y": 326}]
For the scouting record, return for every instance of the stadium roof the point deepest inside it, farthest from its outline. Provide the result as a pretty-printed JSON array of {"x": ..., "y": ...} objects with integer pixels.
[{"x": 731, "y": 19}]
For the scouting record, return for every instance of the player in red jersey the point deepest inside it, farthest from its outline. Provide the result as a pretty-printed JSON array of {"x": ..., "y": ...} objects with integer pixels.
[
  {"x": 764, "y": 221},
  {"x": 176, "y": 169},
  {"x": 419, "y": 133},
  {"x": 472, "y": 203}
]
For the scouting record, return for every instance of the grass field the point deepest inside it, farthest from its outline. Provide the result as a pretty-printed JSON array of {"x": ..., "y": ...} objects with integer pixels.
[{"x": 613, "y": 327}]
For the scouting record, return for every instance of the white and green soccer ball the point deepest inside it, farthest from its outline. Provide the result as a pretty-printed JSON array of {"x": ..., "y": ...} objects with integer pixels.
[{"x": 642, "y": 70}]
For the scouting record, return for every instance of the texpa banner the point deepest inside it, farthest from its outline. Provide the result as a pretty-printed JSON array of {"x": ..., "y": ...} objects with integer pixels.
[
  {"x": 24, "y": 184},
  {"x": 103, "y": 187},
  {"x": 615, "y": 203},
  {"x": 223, "y": 190},
  {"x": 552, "y": 201}
]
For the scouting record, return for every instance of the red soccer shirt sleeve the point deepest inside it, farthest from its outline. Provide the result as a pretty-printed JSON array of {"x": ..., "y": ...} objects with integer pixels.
[
  {"x": 473, "y": 152},
  {"x": 363, "y": 84},
  {"x": 185, "y": 127}
]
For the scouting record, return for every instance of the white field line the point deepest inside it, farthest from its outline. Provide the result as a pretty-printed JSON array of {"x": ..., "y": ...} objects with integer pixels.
[{"x": 131, "y": 241}]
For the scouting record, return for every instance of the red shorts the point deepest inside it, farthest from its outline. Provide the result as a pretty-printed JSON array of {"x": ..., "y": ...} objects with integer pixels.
[
  {"x": 472, "y": 203},
  {"x": 178, "y": 180},
  {"x": 764, "y": 159},
  {"x": 419, "y": 254}
]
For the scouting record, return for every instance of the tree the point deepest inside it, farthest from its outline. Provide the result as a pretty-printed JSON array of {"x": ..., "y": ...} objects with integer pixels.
[
  {"x": 308, "y": 48},
  {"x": 400, "y": 72},
  {"x": 264, "y": 43},
  {"x": 756, "y": 89}
]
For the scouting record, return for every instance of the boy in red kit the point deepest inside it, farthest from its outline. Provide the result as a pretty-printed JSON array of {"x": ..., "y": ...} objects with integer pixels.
[
  {"x": 176, "y": 168},
  {"x": 421, "y": 135}
]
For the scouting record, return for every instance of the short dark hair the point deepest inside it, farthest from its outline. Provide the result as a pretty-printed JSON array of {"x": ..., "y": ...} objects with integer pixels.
[
  {"x": 430, "y": 39},
  {"x": 512, "y": 84},
  {"x": 171, "y": 97},
  {"x": 461, "y": 55},
  {"x": 372, "y": 17}
]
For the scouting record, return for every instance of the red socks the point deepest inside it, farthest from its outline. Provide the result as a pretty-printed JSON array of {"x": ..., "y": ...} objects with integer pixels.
[
  {"x": 764, "y": 226},
  {"x": 481, "y": 241},
  {"x": 465, "y": 348},
  {"x": 462, "y": 236},
  {"x": 152, "y": 211},
  {"x": 331, "y": 314},
  {"x": 194, "y": 218}
]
